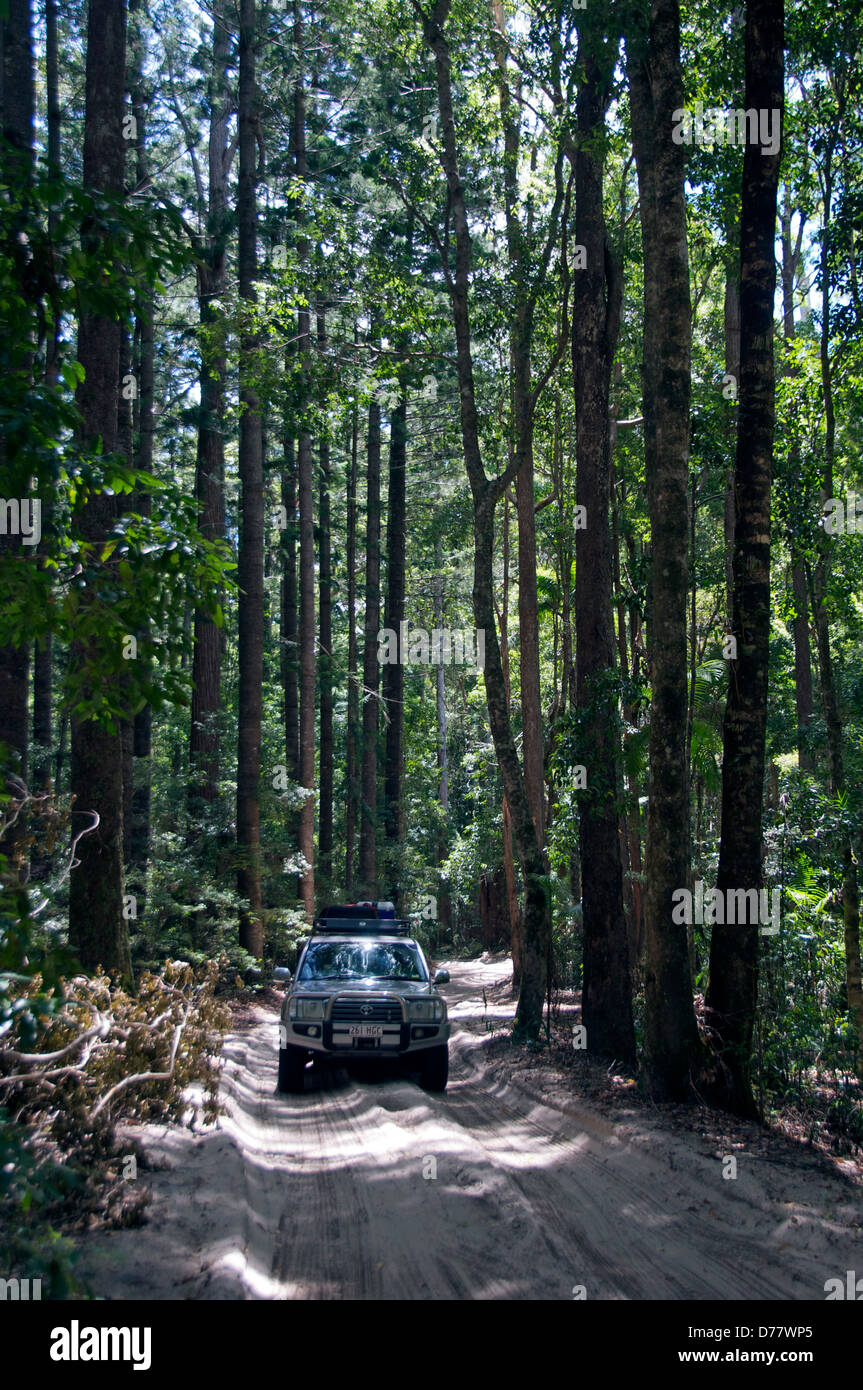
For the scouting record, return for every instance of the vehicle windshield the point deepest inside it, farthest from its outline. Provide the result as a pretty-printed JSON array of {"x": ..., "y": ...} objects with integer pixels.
[{"x": 330, "y": 960}]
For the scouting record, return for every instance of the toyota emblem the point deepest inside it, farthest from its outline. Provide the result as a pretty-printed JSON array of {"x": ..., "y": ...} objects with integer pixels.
[{"x": 365, "y": 1010}]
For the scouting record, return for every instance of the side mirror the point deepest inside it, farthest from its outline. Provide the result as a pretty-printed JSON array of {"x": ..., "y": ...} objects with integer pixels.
[
  {"x": 441, "y": 977},
  {"x": 282, "y": 973}
]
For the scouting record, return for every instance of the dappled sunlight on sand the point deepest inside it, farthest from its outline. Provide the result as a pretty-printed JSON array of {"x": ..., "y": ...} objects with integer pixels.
[{"x": 366, "y": 1187}]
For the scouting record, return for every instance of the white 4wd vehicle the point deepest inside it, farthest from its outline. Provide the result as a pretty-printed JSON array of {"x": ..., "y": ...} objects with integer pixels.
[{"x": 363, "y": 990}]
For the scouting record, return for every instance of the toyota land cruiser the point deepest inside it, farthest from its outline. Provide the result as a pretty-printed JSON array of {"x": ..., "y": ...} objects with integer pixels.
[{"x": 362, "y": 989}]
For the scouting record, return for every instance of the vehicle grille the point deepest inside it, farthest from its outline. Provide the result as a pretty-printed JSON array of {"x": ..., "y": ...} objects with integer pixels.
[{"x": 382, "y": 1011}]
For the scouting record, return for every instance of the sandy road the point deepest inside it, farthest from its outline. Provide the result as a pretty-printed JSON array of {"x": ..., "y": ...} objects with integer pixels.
[{"x": 373, "y": 1189}]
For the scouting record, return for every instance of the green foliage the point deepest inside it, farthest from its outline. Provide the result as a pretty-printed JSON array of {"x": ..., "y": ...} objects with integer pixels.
[
  {"x": 100, "y": 1046},
  {"x": 32, "y": 1183}
]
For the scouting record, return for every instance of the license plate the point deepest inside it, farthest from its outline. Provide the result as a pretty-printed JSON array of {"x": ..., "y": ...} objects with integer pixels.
[{"x": 366, "y": 1030}]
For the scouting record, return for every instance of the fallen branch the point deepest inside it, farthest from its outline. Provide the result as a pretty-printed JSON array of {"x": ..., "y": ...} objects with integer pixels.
[{"x": 146, "y": 1075}]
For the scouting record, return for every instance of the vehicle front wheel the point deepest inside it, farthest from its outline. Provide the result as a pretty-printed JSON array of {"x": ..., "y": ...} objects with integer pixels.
[
  {"x": 434, "y": 1068},
  {"x": 292, "y": 1070}
]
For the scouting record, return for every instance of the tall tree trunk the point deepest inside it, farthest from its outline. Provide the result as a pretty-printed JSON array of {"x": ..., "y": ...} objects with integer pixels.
[
  {"x": 394, "y": 673},
  {"x": 43, "y": 656},
  {"x": 42, "y": 717},
  {"x": 305, "y": 469},
  {"x": 18, "y": 111},
  {"x": 597, "y": 293},
  {"x": 139, "y": 849},
  {"x": 513, "y": 911},
  {"x": 528, "y": 615},
  {"x": 204, "y": 752},
  {"x": 733, "y": 989},
  {"x": 485, "y": 493},
  {"x": 98, "y": 933},
  {"x": 731, "y": 314},
  {"x": 353, "y": 717},
  {"x": 522, "y": 444},
  {"x": 803, "y": 689},
  {"x": 306, "y": 635},
  {"x": 731, "y": 324},
  {"x": 52, "y": 87},
  {"x": 289, "y": 606},
  {"x": 368, "y": 802},
  {"x": 630, "y": 828},
  {"x": 124, "y": 448},
  {"x": 829, "y": 698},
  {"x": 567, "y": 663},
  {"x": 137, "y": 844},
  {"x": 803, "y": 693},
  {"x": 444, "y": 905},
  {"x": 17, "y": 89},
  {"x": 250, "y": 616},
  {"x": 630, "y": 666},
  {"x": 528, "y": 630},
  {"x": 656, "y": 88},
  {"x": 325, "y": 815}
]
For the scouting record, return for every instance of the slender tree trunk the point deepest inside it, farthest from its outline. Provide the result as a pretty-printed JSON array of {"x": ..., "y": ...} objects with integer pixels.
[
  {"x": 251, "y": 551},
  {"x": 98, "y": 933},
  {"x": 306, "y": 833},
  {"x": 42, "y": 717},
  {"x": 829, "y": 698},
  {"x": 567, "y": 664},
  {"x": 17, "y": 89},
  {"x": 803, "y": 689},
  {"x": 305, "y": 490},
  {"x": 127, "y": 754},
  {"x": 513, "y": 911},
  {"x": 394, "y": 673},
  {"x": 597, "y": 290},
  {"x": 124, "y": 448},
  {"x": 528, "y": 618},
  {"x": 522, "y": 445},
  {"x": 444, "y": 909},
  {"x": 204, "y": 750},
  {"x": 733, "y": 989},
  {"x": 18, "y": 111},
  {"x": 368, "y": 808},
  {"x": 137, "y": 845},
  {"x": 486, "y": 493},
  {"x": 731, "y": 311},
  {"x": 803, "y": 692},
  {"x": 630, "y": 829},
  {"x": 139, "y": 850},
  {"x": 353, "y": 791},
  {"x": 289, "y": 664},
  {"x": 325, "y": 815},
  {"x": 656, "y": 88},
  {"x": 43, "y": 656},
  {"x": 52, "y": 87},
  {"x": 630, "y": 714}
]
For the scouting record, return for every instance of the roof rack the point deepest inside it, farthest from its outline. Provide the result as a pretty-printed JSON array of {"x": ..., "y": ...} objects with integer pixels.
[
  {"x": 372, "y": 926},
  {"x": 377, "y": 917}
]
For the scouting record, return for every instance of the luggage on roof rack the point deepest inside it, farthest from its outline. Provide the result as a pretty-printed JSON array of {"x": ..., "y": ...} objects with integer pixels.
[{"x": 377, "y": 917}]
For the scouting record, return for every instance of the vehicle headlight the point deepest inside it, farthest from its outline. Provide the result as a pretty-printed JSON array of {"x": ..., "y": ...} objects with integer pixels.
[
  {"x": 306, "y": 1008},
  {"x": 425, "y": 1010}
]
